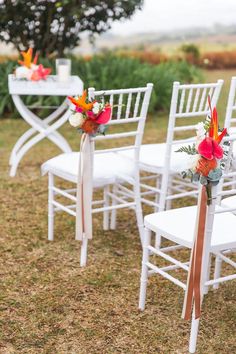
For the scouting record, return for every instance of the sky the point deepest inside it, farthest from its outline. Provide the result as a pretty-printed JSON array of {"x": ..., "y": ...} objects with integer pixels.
[{"x": 167, "y": 15}]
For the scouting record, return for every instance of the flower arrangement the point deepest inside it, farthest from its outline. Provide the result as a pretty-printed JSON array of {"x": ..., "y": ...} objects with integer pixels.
[
  {"x": 207, "y": 153},
  {"x": 89, "y": 117},
  {"x": 29, "y": 69}
]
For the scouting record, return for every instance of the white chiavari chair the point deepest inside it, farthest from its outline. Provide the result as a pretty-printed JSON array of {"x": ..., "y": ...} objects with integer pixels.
[
  {"x": 189, "y": 104},
  {"x": 178, "y": 226},
  {"x": 129, "y": 113}
]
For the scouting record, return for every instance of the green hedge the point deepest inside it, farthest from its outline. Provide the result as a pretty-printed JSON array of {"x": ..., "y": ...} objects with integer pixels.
[{"x": 110, "y": 71}]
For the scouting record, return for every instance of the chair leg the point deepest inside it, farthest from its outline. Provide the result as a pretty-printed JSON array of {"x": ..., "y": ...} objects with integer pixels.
[
  {"x": 218, "y": 264},
  {"x": 83, "y": 252},
  {"x": 157, "y": 196},
  {"x": 139, "y": 211},
  {"x": 144, "y": 273},
  {"x": 193, "y": 334},
  {"x": 113, "y": 212},
  {"x": 50, "y": 207},
  {"x": 106, "y": 204},
  {"x": 169, "y": 201}
]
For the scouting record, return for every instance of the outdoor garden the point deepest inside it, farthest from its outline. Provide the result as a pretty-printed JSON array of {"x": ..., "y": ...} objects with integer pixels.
[{"x": 48, "y": 303}]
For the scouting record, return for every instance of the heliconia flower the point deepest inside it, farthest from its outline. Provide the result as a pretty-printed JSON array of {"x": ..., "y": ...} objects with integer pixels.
[
  {"x": 41, "y": 73},
  {"x": 27, "y": 58},
  {"x": 104, "y": 116},
  {"x": 213, "y": 130},
  {"x": 210, "y": 149},
  {"x": 81, "y": 102},
  {"x": 204, "y": 166}
]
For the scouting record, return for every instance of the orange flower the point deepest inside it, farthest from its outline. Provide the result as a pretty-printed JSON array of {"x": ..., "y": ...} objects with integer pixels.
[
  {"x": 213, "y": 130},
  {"x": 90, "y": 126},
  {"x": 204, "y": 166},
  {"x": 27, "y": 58},
  {"x": 81, "y": 102}
]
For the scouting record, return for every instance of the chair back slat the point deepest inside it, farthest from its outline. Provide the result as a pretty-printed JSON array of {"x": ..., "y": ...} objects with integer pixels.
[
  {"x": 195, "y": 103},
  {"x": 136, "y": 106},
  {"x": 120, "y": 106},
  {"x": 127, "y": 112},
  {"x": 128, "y": 106},
  {"x": 231, "y": 104},
  {"x": 190, "y": 95}
]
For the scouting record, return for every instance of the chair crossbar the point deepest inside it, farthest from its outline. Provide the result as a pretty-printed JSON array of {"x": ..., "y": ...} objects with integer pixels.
[
  {"x": 168, "y": 268},
  {"x": 196, "y": 86},
  {"x": 126, "y": 120},
  {"x": 180, "y": 195},
  {"x": 121, "y": 91},
  {"x": 124, "y": 148},
  {"x": 117, "y": 206},
  {"x": 166, "y": 275},
  {"x": 151, "y": 188},
  {"x": 226, "y": 259},
  {"x": 171, "y": 248},
  {"x": 192, "y": 114},
  {"x": 116, "y": 135},
  {"x": 64, "y": 193},
  {"x": 150, "y": 203},
  {"x": 220, "y": 280},
  {"x": 64, "y": 208},
  {"x": 168, "y": 257}
]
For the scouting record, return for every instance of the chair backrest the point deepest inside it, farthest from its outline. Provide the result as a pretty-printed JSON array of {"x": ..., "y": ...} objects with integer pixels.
[
  {"x": 231, "y": 104},
  {"x": 189, "y": 105},
  {"x": 190, "y": 101},
  {"x": 129, "y": 109}
]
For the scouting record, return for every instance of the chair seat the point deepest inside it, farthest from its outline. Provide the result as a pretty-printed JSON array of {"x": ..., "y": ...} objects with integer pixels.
[
  {"x": 109, "y": 168},
  {"x": 229, "y": 202},
  {"x": 152, "y": 158},
  {"x": 178, "y": 226}
]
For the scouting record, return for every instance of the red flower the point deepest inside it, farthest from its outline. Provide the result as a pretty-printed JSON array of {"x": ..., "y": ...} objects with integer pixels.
[
  {"x": 204, "y": 166},
  {"x": 104, "y": 116},
  {"x": 210, "y": 149}
]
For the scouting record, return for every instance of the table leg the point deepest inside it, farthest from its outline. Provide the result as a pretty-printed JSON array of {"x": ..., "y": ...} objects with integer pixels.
[{"x": 45, "y": 130}]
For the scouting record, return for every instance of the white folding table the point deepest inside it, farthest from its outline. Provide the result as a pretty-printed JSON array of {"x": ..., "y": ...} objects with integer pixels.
[{"x": 41, "y": 128}]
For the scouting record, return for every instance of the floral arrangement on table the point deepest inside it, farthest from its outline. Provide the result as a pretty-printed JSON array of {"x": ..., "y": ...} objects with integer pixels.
[
  {"x": 89, "y": 117},
  {"x": 207, "y": 153},
  {"x": 29, "y": 69}
]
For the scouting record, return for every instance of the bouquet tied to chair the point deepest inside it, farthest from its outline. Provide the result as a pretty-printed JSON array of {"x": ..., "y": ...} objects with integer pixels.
[
  {"x": 89, "y": 117},
  {"x": 208, "y": 153}
]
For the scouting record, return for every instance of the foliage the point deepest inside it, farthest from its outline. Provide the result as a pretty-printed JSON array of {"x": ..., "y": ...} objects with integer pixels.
[
  {"x": 111, "y": 72},
  {"x": 52, "y": 26},
  {"x": 191, "y": 49},
  {"x": 190, "y": 150}
]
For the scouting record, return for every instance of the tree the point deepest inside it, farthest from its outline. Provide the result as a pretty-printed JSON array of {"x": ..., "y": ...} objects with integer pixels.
[{"x": 51, "y": 26}]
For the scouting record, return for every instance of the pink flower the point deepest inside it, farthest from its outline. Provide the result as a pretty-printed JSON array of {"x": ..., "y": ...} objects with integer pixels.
[
  {"x": 210, "y": 149},
  {"x": 104, "y": 116}
]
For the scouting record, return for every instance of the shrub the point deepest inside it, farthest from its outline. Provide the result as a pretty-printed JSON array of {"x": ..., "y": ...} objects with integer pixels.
[{"x": 110, "y": 71}]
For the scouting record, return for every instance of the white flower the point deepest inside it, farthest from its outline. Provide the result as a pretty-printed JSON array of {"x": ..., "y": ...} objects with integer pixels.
[
  {"x": 96, "y": 108},
  {"x": 34, "y": 66},
  {"x": 22, "y": 72},
  {"x": 76, "y": 119}
]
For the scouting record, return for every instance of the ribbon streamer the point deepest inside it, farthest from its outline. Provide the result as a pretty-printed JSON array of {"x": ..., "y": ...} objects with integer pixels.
[
  {"x": 193, "y": 291},
  {"x": 85, "y": 189}
]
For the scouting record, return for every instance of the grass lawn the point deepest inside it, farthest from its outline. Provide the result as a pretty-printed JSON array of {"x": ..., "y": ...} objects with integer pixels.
[{"x": 48, "y": 304}]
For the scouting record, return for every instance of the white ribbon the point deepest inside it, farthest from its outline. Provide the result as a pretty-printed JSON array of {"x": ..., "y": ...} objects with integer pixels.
[{"x": 85, "y": 189}]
